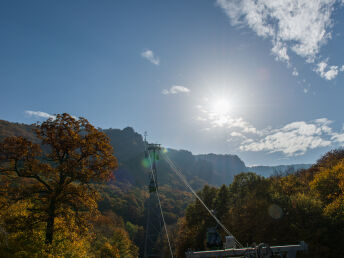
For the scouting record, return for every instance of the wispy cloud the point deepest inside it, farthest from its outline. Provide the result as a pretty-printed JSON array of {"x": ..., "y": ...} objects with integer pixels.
[
  {"x": 175, "y": 89},
  {"x": 301, "y": 26},
  {"x": 293, "y": 139},
  {"x": 237, "y": 134},
  {"x": 326, "y": 72},
  {"x": 280, "y": 50},
  {"x": 226, "y": 121},
  {"x": 39, "y": 114},
  {"x": 295, "y": 72},
  {"x": 151, "y": 57}
]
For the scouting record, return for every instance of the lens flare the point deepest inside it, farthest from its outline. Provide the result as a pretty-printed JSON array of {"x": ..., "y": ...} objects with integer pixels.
[
  {"x": 275, "y": 211},
  {"x": 145, "y": 163}
]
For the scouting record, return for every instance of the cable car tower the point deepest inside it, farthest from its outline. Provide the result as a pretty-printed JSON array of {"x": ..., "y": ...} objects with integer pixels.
[{"x": 154, "y": 224}]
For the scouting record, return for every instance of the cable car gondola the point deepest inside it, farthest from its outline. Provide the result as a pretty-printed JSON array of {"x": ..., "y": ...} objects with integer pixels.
[
  {"x": 214, "y": 241},
  {"x": 152, "y": 187}
]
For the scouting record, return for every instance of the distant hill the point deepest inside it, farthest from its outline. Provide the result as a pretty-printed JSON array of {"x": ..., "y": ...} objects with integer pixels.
[
  {"x": 15, "y": 129},
  {"x": 213, "y": 169},
  {"x": 129, "y": 149},
  {"x": 224, "y": 167},
  {"x": 267, "y": 171}
]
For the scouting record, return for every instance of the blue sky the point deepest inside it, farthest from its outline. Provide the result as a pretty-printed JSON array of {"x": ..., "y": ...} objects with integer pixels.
[{"x": 261, "y": 79}]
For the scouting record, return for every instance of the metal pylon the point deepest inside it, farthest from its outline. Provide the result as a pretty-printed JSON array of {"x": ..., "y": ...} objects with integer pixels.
[
  {"x": 154, "y": 222},
  {"x": 154, "y": 227}
]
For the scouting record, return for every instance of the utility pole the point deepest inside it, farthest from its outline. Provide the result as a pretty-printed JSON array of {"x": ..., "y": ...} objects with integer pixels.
[{"x": 154, "y": 223}]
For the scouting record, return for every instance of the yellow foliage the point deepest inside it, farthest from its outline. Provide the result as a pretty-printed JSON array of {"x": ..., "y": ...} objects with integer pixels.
[
  {"x": 57, "y": 175},
  {"x": 328, "y": 184},
  {"x": 20, "y": 239},
  {"x": 47, "y": 195}
]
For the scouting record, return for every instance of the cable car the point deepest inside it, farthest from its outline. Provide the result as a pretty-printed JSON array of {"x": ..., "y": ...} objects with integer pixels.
[
  {"x": 214, "y": 241},
  {"x": 152, "y": 186}
]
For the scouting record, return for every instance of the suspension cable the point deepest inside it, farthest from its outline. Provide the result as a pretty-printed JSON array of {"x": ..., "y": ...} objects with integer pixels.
[
  {"x": 162, "y": 214},
  {"x": 181, "y": 176}
]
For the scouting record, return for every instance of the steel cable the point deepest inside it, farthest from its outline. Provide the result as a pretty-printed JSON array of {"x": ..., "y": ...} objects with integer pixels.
[
  {"x": 162, "y": 214},
  {"x": 181, "y": 176}
]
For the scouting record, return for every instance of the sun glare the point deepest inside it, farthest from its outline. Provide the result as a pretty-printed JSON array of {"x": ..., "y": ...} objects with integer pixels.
[{"x": 221, "y": 106}]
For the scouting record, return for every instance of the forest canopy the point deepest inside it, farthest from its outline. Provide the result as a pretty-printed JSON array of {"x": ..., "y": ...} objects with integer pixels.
[
  {"x": 48, "y": 190},
  {"x": 59, "y": 197},
  {"x": 283, "y": 209}
]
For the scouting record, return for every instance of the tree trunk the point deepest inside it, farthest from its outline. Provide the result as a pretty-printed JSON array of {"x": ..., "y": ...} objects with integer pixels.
[{"x": 49, "y": 232}]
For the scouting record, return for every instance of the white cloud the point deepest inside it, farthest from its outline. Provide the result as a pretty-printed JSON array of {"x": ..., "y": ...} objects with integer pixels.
[
  {"x": 280, "y": 51},
  {"x": 342, "y": 68},
  {"x": 295, "y": 72},
  {"x": 302, "y": 26},
  {"x": 39, "y": 114},
  {"x": 175, "y": 89},
  {"x": 199, "y": 118},
  {"x": 226, "y": 121},
  {"x": 328, "y": 74},
  {"x": 338, "y": 137},
  {"x": 150, "y": 56},
  {"x": 237, "y": 134},
  {"x": 293, "y": 139}
]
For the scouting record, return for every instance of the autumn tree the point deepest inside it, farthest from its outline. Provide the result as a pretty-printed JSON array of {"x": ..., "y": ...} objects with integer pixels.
[{"x": 57, "y": 176}]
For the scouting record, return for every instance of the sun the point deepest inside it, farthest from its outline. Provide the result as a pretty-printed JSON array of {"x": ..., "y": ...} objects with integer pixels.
[{"x": 221, "y": 106}]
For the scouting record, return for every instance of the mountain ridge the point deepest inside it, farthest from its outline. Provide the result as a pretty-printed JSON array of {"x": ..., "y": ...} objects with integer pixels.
[{"x": 201, "y": 169}]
